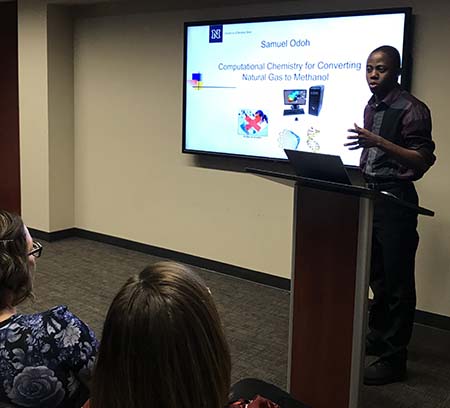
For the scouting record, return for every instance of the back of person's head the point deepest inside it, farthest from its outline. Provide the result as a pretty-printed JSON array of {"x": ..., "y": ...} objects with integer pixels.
[
  {"x": 163, "y": 345},
  {"x": 16, "y": 282}
]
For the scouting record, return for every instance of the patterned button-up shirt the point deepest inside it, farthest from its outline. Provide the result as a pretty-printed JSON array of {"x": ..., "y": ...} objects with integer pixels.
[{"x": 404, "y": 120}]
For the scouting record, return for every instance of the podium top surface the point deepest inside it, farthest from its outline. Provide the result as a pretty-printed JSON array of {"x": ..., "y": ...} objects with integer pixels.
[{"x": 341, "y": 188}]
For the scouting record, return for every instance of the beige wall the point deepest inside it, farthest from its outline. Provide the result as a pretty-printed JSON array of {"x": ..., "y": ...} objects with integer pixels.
[
  {"x": 33, "y": 113},
  {"x": 132, "y": 181},
  {"x": 46, "y": 115},
  {"x": 60, "y": 124}
]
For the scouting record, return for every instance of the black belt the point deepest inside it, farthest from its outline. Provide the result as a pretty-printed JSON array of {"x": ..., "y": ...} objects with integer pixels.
[{"x": 381, "y": 185}]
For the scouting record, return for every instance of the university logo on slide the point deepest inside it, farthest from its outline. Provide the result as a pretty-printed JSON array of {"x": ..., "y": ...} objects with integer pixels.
[{"x": 215, "y": 33}]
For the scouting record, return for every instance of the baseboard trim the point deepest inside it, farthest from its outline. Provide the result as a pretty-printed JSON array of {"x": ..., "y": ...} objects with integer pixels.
[
  {"x": 221, "y": 267},
  {"x": 425, "y": 318},
  {"x": 53, "y": 236},
  {"x": 432, "y": 319}
]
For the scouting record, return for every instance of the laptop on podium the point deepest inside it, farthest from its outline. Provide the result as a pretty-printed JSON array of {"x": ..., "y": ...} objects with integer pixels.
[{"x": 319, "y": 166}]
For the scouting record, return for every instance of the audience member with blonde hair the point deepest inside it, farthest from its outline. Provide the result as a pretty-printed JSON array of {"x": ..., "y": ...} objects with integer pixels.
[{"x": 163, "y": 346}]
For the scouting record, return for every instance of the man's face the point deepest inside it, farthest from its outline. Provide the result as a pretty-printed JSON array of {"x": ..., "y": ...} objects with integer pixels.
[{"x": 381, "y": 74}]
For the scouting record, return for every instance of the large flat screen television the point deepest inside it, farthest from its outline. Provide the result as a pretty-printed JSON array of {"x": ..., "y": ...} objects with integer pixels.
[{"x": 257, "y": 86}]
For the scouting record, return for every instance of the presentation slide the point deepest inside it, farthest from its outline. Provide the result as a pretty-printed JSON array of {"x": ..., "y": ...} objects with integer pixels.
[{"x": 256, "y": 88}]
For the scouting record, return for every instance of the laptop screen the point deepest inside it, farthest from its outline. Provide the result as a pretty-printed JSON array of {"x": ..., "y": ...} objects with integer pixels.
[{"x": 318, "y": 166}]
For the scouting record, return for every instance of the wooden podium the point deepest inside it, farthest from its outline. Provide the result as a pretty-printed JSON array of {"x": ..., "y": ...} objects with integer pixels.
[{"x": 332, "y": 235}]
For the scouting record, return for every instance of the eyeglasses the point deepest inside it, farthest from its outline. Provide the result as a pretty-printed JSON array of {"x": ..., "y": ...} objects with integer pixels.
[{"x": 37, "y": 249}]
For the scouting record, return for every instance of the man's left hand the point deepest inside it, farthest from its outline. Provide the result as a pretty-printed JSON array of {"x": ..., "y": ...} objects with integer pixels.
[{"x": 363, "y": 138}]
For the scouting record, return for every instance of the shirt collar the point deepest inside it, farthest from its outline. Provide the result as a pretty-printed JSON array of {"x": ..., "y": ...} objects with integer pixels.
[{"x": 388, "y": 100}]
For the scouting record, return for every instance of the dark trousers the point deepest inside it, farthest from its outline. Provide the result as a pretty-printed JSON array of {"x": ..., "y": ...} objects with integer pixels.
[
  {"x": 394, "y": 245},
  {"x": 248, "y": 388}
]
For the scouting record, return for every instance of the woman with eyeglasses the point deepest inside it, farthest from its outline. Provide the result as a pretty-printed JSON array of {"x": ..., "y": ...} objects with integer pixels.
[{"x": 45, "y": 358}]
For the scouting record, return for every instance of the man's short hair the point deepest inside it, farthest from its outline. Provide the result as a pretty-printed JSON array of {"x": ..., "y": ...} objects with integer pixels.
[{"x": 392, "y": 54}]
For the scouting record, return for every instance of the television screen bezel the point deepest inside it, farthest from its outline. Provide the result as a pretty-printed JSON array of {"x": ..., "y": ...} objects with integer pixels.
[{"x": 405, "y": 76}]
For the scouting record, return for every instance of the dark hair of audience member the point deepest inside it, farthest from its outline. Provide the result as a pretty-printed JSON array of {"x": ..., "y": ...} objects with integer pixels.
[
  {"x": 162, "y": 345},
  {"x": 16, "y": 281}
]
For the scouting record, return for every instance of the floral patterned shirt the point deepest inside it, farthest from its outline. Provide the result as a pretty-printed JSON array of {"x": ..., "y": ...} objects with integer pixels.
[{"x": 42, "y": 358}]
